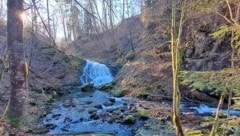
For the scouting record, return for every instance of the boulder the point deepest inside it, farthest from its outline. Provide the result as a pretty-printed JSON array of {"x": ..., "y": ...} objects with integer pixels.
[
  {"x": 87, "y": 87},
  {"x": 129, "y": 119},
  {"x": 106, "y": 87}
]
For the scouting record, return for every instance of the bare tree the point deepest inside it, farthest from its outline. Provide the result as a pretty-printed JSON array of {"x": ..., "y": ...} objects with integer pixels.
[{"x": 18, "y": 68}]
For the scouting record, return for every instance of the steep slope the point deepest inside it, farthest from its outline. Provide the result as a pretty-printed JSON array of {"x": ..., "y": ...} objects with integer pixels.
[
  {"x": 52, "y": 73},
  {"x": 144, "y": 57}
]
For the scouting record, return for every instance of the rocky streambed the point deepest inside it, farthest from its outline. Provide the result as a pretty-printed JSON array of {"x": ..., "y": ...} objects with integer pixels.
[
  {"x": 90, "y": 111},
  {"x": 97, "y": 112}
]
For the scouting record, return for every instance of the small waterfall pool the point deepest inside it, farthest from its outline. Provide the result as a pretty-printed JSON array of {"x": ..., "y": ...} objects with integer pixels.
[
  {"x": 91, "y": 111},
  {"x": 96, "y": 73}
]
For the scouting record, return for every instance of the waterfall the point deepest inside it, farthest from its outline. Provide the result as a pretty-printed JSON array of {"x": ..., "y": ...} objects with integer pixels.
[{"x": 96, "y": 73}]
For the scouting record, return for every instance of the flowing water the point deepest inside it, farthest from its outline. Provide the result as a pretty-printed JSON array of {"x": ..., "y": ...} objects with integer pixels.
[
  {"x": 96, "y": 73},
  {"x": 99, "y": 112},
  {"x": 93, "y": 111}
]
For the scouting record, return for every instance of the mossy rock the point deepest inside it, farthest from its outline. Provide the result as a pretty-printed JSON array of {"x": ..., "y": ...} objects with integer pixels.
[
  {"x": 194, "y": 133},
  {"x": 76, "y": 62},
  {"x": 87, "y": 87},
  {"x": 156, "y": 128},
  {"x": 37, "y": 90},
  {"x": 117, "y": 92},
  {"x": 143, "y": 113},
  {"x": 106, "y": 87},
  {"x": 49, "y": 51},
  {"x": 129, "y": 119}
]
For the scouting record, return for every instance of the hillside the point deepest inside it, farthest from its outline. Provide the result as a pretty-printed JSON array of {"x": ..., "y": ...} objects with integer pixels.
[
  {"x": 139, "y": 47},
  {"x": 52, "y": 73}
]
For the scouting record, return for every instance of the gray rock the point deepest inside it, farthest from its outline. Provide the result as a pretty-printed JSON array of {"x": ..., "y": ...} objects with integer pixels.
[
  {"x": 108, "y": 103},
  {"x": 87, "y": 87}
]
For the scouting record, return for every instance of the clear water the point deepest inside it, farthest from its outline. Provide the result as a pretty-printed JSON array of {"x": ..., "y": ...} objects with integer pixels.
[
  {"x": 80, "y": 118},
  {"x": 96, "y": 73}
]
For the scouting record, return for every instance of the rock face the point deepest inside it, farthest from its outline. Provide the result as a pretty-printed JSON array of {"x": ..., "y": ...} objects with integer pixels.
[{"x": 207, "y": 53}]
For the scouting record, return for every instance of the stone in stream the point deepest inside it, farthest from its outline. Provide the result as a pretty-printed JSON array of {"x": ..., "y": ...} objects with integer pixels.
[
  {"x": 87, "y": 87},
  {"x": 56, "y": 116},
  {"x": 112, "y": 100},
  {"x": 88, "y": 102},
  {"x": 92, "y": 111},
  {"x": 129, "y": 119},
  {"x": 66, "y": 120},
  {"x": 108, "y": 103},
  {"x": 99, "y": 106},
  {"x": 94, "y": 116},
  {"x": 106, "y": 87},
  {"x": 69, "y": 103},
  {"x": 51, "y": 126}
]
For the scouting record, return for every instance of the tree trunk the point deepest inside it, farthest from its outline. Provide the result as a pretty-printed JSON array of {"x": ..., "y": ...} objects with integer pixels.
[
  {"x": 175, "y": 41},
  {"x": 18, "y": 85}
]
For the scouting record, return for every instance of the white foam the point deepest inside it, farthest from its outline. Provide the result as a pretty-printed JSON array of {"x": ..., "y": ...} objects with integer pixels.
[
  {"x": 205, "y": 109},
  {"x": 96, "y": 73}
]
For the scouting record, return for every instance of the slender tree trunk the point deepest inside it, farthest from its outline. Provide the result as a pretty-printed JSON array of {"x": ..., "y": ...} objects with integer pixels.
[
  {"x": 123, "y": 11},
  {"x": 48, "y": 19},
  {"x": 175, "y": 42},
  {"x": 216, "y": 123},
  {"x": 18, "y": 85},
  {"x": 63, "y": 22}
]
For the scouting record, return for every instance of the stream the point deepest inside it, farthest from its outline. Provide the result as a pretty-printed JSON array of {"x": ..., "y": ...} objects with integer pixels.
[{"x": 87, "y": 112}]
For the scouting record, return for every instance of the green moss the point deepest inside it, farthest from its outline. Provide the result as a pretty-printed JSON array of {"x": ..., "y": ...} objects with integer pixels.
[
  {"x": 117, "y": 92},
  {"x": 194, "y": 133},
  {"x": 142, "y": 112},
  {"x": 14, "y": 122},
  {"x": 49, "y": 51},
  {"x": 37, "y": 90},
  {"x": 129, "y": 119},
  {"x": 76, "y": 62},
  {"x": 217, "y": 81}
]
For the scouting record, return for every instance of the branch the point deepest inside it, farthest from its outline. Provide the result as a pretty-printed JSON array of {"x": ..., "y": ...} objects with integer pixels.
[{"x": 45, "y": 26}]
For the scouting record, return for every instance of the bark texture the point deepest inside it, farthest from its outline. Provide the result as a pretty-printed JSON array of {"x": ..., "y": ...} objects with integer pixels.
[{"x": 18, "y": 84}]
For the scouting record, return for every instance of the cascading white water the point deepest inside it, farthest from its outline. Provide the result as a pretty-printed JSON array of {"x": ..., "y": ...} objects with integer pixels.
[{"x": 96, "y": 73}]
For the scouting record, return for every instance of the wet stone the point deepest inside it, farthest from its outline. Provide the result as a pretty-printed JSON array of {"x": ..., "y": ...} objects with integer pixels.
[
  {"x": 51, "y": 126},
  {"x": 66, "y": 120},
  {"x": 92, "y": 111},
  {"x": 108, "y": 103},
  {"x": 68, "y": 104},
  {"x": 94, "y": 116},
  {"x": 64, "y": 129},
  {"x": 112, "y": 100},
  {"x": 99, "y": 106},
  {"x": 56, "y": 116},
  {"x": 78, "y": 121},
  {"x": 88, "y": 102}
]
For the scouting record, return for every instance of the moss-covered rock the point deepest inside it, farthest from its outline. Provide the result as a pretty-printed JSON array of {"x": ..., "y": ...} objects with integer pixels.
[
  {"x": 87, "y": 87},
  {"x": 117, "y": 92},
  {"x": 194, "y": 133},
  {"x": 129, "y": 119},
  {"x": 156, "y": 128},
  {"x": 143, "y": 113},
  {"x": 106, "y": 87}
]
